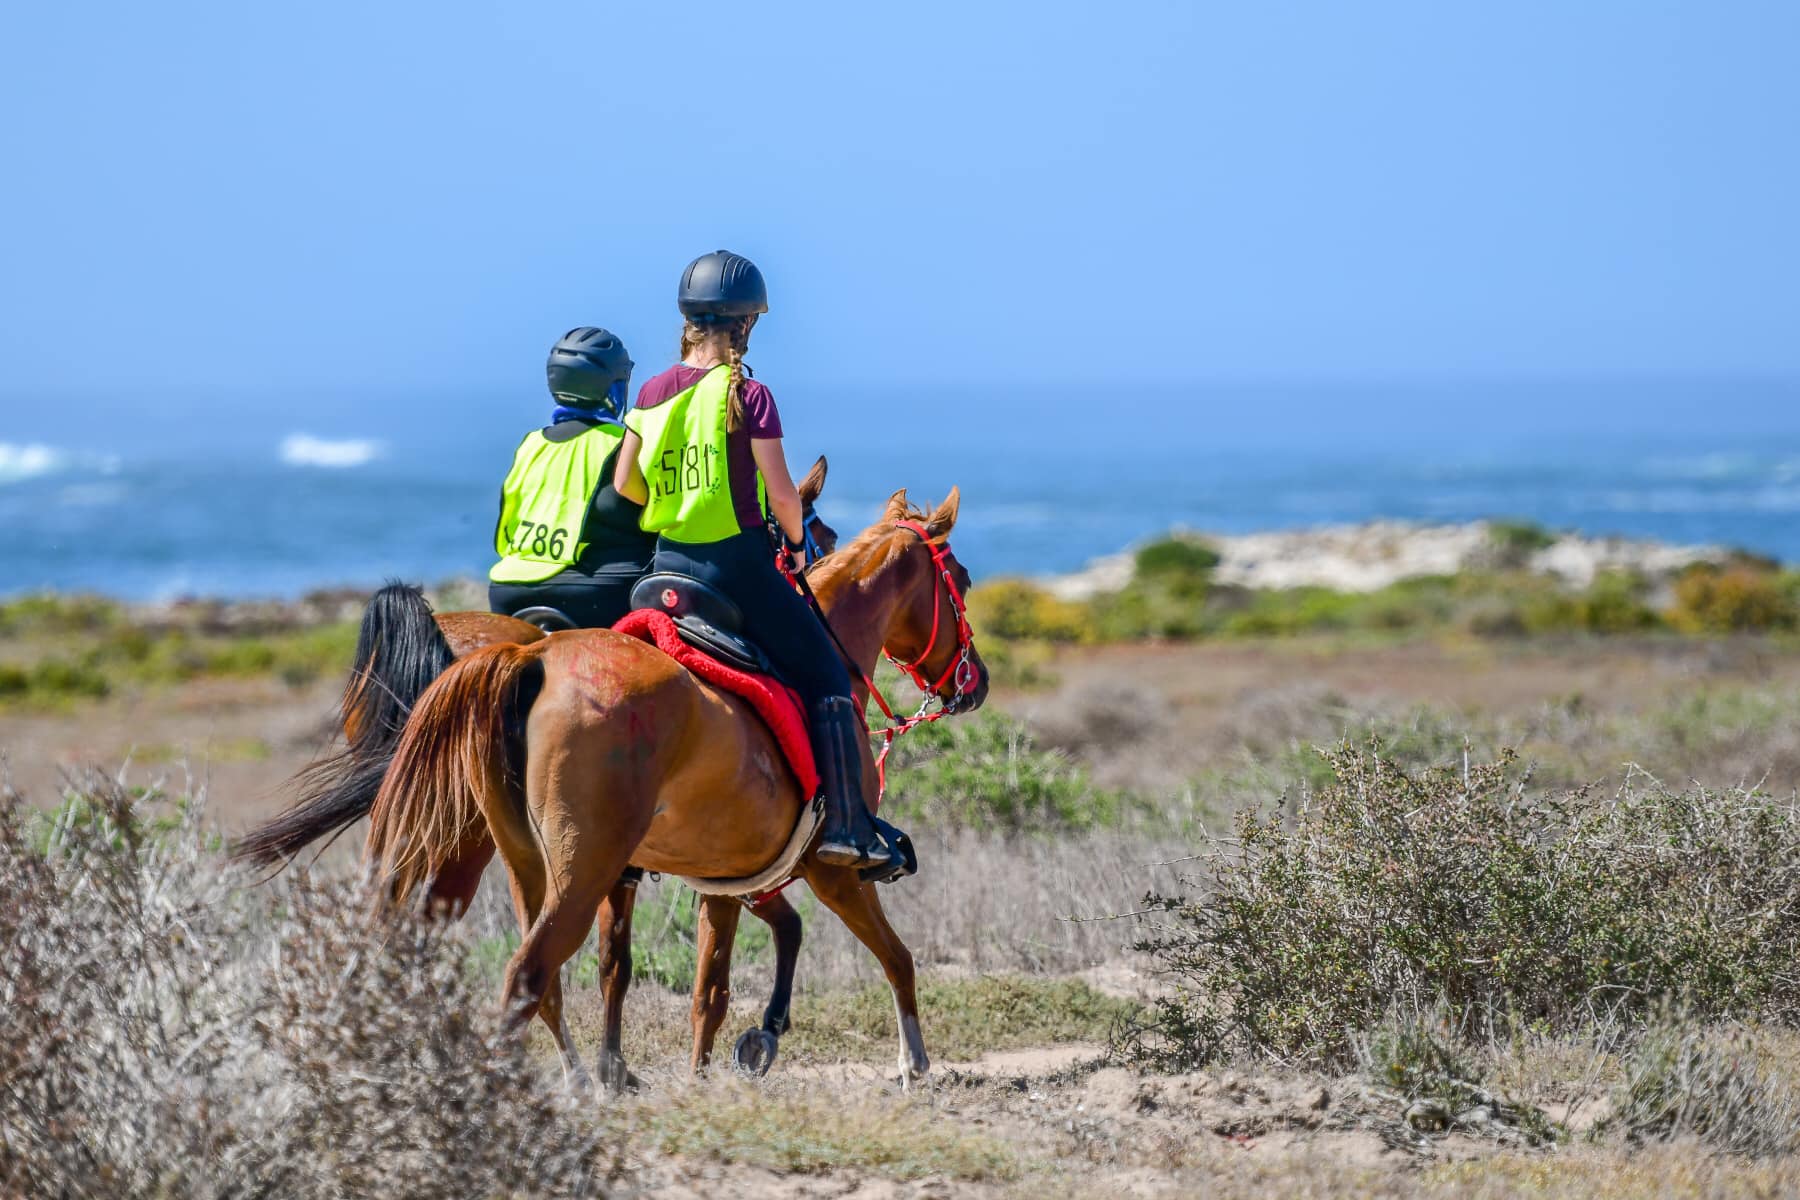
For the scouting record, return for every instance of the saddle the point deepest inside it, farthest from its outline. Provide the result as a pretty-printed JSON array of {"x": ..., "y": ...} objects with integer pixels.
[{"x": 706, "y": 618}]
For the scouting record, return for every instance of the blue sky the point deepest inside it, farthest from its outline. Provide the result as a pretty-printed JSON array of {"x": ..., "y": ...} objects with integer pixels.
[{"x": 353, "y": 210}]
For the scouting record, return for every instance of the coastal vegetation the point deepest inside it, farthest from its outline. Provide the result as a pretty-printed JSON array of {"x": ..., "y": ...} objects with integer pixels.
[
  {"x": 1172, "y": 593},
  {"x": 60, "y": 650}
]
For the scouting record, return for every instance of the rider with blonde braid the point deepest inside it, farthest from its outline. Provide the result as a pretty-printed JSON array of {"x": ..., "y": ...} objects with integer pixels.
[{"x": 703, "y": 454}]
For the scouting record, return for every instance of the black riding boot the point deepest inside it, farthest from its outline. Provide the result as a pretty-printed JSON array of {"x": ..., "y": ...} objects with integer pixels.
[{"x": 849, "y": 838}]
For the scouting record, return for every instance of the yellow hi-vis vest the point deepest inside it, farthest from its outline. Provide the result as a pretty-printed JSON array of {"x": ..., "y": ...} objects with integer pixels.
[
  {"x": 683, "y": 460},
  {"x": 545, "y": 501}
]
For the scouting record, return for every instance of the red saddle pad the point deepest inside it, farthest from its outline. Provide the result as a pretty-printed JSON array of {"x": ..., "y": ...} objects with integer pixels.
[{"x": 776, "y": 703}]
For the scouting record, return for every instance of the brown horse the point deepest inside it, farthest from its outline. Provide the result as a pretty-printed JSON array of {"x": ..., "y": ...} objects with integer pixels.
[
  {"x": 401, "y": 648},
  {"x": 589, "y": 750}
]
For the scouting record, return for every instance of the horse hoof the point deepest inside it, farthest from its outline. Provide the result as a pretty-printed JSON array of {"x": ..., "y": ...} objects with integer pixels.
[
  {"x": 616, "y": 1077},
  {"x": 754, "y": 1053}
]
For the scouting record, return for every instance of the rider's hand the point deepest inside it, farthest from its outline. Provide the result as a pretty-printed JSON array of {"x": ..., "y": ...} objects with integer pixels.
[{"x": 795, "y": 553}]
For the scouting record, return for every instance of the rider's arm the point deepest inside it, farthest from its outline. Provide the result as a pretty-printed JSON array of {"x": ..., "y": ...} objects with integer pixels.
[
  {"x": 628, "y": 477},
  {"x": 784, "y": 497}
]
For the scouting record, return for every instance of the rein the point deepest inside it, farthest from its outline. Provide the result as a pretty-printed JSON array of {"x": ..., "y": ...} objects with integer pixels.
[{"x": 961, "y": 669}]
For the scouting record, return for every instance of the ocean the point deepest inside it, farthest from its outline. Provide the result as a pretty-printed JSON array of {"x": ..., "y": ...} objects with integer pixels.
[{"x": 277, "y": 509}]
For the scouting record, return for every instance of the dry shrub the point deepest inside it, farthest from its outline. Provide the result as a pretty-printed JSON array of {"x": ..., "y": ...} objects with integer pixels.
[
  {"x": 168, "y": 1032},
  {"x": 1394, "y": 889},
  {"x": 1690, "y": 1082},
  {"x": 1099, "y": 721},
  {"x": 989, "y": 903}
]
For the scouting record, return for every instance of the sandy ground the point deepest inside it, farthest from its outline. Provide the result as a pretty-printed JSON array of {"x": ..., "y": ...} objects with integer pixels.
[{"x": 243, "y": 737}]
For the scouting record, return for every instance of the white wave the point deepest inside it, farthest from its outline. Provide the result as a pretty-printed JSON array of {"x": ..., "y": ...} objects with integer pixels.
[
  {"x": 29, "y": 461},
  {"x": 305, "y": 450}
]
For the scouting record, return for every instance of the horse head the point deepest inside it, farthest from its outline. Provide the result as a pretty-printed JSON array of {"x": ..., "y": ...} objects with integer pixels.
[{"x": 906, "y": 591}]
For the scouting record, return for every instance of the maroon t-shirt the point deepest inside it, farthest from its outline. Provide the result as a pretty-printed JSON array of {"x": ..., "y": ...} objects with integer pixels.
[{"x": 761, "y": 420}]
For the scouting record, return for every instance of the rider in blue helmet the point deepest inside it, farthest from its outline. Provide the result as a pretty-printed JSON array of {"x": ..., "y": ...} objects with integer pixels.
[{"x": 566, "y": 539}]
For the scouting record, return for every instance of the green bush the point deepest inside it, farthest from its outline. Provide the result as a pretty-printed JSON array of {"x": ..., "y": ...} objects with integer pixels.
[
  {"x": 1406, "y": 889},
  {"x": 50, "y": 613},
  {"x": 95, "y": 661},
  {"x": 1017, "y": 610},
  {"x": 1176, "y": 557},
  {"x": 1154, "y": 608},
  {"x": 987, "y": 772},
  {"x": 151, "y": 820},
  {"x": 1615, "y": 602},
  {"x": 1514, "y": 542},
  {"x": 59, "y": 679}
]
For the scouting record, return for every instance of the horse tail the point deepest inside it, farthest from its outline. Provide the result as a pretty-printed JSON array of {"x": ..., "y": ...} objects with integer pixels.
[
  {"x": 461, "y": 753},
  {"x": 399, "y": 651}
]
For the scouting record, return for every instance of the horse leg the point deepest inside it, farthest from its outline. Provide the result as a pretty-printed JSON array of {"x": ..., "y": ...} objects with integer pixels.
[
  {"x": 857, "y": 905},
  {"x": 574, "y": 857},
  {"x": 453, "y": 890},
  {"x": 712, "y": 972},
  {"x": 756, "y": 1049},
  {"x": 528, "y": 901},
  {"x": 614, "y": 921}
]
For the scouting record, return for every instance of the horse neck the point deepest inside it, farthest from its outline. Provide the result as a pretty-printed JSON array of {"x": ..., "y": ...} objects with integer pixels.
[{"x": 860, "y": 615}]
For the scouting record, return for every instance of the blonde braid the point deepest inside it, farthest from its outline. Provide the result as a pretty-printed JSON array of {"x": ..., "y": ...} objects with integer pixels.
[
  {"x": 693, "y": 333},
  {"x": 734, "y": 398}
]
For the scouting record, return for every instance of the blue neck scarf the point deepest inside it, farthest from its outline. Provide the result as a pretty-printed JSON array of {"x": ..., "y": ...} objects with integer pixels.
[
  {"x": 609, "y": 411},
  {"x": 563, "y": 412}
]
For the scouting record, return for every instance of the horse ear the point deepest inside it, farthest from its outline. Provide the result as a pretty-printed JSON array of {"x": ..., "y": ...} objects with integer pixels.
[
  {"x": 944, "y": 519},
  {"x": 814, "y": 483},
  {"x": 896, "y": 507}
]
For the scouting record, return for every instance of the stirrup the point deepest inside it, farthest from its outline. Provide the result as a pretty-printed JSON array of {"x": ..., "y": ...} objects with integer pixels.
[
  {"x": 848, "y": 854},
  {"x": 904, "y": 862}
]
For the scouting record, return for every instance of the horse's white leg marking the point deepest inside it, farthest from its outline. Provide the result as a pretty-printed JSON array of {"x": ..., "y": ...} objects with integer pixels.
[
  {"x": 914, "y": 1064},
  {"x": 574, "y": 1074}
]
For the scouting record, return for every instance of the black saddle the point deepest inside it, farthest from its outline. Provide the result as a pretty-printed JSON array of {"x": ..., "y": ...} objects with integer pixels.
[{"x": 706, "y": 618}]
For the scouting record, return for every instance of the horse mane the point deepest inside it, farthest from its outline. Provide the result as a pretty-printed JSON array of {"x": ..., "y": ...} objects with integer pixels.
[{"x": 875, "y": 548}]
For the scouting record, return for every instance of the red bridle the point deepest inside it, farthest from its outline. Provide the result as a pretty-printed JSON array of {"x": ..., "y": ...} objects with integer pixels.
[
  {"x": 961, "y": 669},
  {"x": 962, "y": 666}
]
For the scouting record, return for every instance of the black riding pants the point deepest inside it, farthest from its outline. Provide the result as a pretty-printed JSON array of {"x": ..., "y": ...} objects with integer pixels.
[{"x": 775, "y": 616}]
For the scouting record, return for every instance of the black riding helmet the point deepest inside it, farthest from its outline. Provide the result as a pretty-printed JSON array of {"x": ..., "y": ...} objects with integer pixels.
[
  {"x": 589, "y": 368},
  {"x": 722, "y": 284}
]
